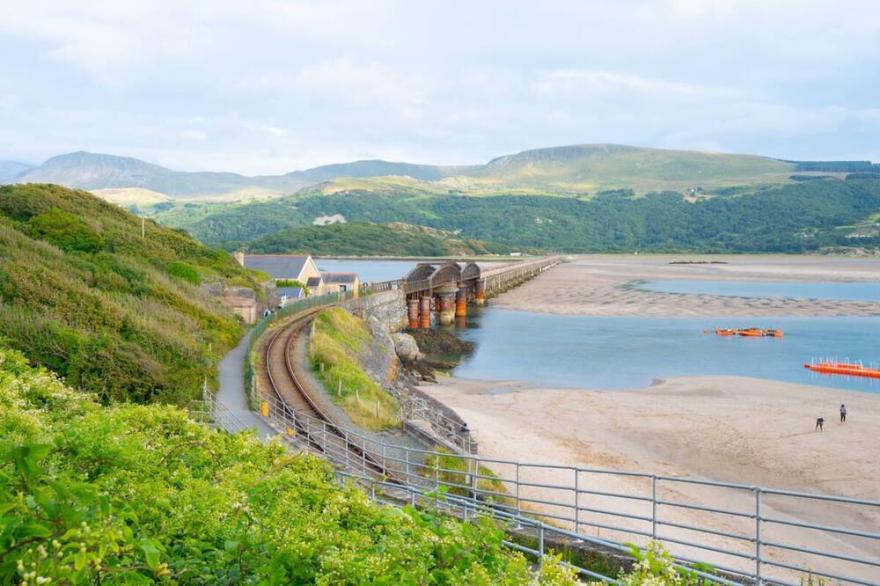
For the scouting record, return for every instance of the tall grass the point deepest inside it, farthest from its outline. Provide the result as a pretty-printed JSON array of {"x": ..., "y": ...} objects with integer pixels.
[{"x": 339, "y": 340}]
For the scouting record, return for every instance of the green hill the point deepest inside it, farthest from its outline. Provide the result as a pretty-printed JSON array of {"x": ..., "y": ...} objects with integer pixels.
[
  {"x": 394, "y": 239},
  {"x": 135, "y": 494},
  {"x": 575, "y": 170},
  {"x": 586, "y": 170},
  {"x": 83, "y": 293},
  {"x": 801, "y": 216}
]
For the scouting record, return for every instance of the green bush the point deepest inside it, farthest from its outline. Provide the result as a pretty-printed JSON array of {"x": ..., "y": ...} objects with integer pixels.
[
  {"x": 65, "y": 231},
  {"x": 184, "y": 271},
  {"x": 141, "y": 494}
]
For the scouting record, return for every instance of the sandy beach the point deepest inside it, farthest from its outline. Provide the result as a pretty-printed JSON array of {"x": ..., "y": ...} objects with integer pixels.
[
  {"x": 730, "y": 429},
  {"x": 607, "y": 286}
]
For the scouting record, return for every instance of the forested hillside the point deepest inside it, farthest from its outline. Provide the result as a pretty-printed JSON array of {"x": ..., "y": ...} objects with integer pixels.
[
  {"x": 361, "y": 239},
  {"x": 132, "y": 494},
  {"x": 801, "y": 216},
  {"x": 83, "y": 293}
]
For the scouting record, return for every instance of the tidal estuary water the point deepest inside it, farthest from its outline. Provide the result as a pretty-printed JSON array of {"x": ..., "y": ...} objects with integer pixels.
[{"x": 630, "y": 352}]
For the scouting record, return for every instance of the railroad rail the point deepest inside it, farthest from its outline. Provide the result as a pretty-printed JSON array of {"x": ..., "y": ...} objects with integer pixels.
[{"x": 299, "y": 412}]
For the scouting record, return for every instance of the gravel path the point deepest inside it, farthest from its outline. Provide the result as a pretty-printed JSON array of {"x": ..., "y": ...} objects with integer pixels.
[{"x": 232, "y": 394}]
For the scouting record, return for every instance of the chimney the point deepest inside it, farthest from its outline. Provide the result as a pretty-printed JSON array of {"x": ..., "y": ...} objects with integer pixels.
[{"x": 239, "y": 257}]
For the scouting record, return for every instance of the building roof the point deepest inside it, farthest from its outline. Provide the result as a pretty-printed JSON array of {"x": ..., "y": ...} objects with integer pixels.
[
  {"x": 314, "y": 282},
  {"x": 290, "y": 292},
  {"x": 339, "y": 277},
  {"x": 280, "y": 266}
]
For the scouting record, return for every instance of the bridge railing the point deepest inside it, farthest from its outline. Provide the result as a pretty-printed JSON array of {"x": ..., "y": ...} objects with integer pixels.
[{"x": 747, "y": 533}]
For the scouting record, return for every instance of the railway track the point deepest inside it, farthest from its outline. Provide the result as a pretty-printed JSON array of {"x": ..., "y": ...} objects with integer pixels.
[{"x": 308, "y": 419}]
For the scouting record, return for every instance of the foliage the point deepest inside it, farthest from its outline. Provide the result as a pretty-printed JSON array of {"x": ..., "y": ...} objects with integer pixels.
[
  {"x": 654, "y": 567},
  {"x": 184, "y": 271},
  {"x": 82, "y": 293},
  {"x": 339, "y": 341},
  {"x": 453, "y": 470},
  {"x": 134, "y": 494},
  {"x": 361, "y": 239},
  {"x": 797, "y": 217},
  {"x": 65, "y": 231}
]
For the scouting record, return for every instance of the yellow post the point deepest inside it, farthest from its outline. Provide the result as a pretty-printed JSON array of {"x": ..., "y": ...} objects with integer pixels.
[{"x": 264, "y": 408}]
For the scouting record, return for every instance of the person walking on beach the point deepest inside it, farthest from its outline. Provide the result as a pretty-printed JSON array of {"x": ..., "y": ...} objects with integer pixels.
[{"x": 842, "y": 413}]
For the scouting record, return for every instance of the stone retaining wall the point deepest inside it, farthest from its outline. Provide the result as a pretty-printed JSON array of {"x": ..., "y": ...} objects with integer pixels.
[{"x": 389, "y": 307}]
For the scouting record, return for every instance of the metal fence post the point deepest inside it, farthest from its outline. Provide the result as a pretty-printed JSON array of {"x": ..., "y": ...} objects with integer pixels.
[
  {"x": 653, "y": 506},
  {"x": 758, "y": 579},
  {"x": 406, "y": 451},
  {"x": 437, "y": 483},
  {"x": 518, "y": 506},
  {"x": 577, "y": 502},
  {"x": 541, "y": 545},
  {"x": 346, "y": 450}
]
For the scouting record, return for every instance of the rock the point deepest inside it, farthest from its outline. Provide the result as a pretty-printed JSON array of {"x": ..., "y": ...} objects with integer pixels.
[
  {"x": 406, "y": 347},
  {"x": 380, "y": 362}
]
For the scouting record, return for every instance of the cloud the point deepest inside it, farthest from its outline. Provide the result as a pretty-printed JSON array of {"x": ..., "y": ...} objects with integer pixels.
[{"x": 275, "y": 85}]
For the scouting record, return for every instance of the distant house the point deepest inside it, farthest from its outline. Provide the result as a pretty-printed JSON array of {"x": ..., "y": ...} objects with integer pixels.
[
  {"x": 302, "y": 268},
  {"x": 341, "y": 282},
  {"x": 285, "y": 267},
  {"x": 288, "y": 295}
]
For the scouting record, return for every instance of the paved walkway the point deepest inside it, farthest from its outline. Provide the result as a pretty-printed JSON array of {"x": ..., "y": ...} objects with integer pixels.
[{"x": 232, "y": 394}]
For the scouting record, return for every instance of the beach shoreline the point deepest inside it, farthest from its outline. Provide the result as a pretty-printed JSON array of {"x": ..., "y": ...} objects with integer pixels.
[{"x": 604, "y": 285}]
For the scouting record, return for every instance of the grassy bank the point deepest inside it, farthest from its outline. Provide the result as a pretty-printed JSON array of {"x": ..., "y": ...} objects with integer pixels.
[
  {"x": 111, "y": 304},
  {"x": 338, "y": 343}
]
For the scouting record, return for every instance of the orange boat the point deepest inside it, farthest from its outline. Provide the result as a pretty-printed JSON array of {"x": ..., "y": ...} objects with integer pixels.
[
  {"x": 749, "y": 332},
  {"x": 844, "y": 368}
]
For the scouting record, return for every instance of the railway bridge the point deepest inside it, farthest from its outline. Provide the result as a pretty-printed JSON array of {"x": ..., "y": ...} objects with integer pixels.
[{"x": 448, "y": 287}]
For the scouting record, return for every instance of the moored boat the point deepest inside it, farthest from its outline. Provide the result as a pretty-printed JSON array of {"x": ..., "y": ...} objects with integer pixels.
[
  {"x": 843, "y": 368},
  {"x": 750, "y": 332}
]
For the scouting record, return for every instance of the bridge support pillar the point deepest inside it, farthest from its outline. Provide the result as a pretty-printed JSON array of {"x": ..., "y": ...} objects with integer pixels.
[
  {"x": 461, "y": 302},
  {"x": 480, "y": 293},
  {"x": 447, "y": 304},
  {"x": 425, "y": 312},
  {"x": 413, "y": 312}
]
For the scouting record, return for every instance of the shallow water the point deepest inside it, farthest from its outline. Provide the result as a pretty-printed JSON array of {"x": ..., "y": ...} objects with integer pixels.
[
  {"x": 630, "y": 352},
  {"x": 782, "y": 289}
]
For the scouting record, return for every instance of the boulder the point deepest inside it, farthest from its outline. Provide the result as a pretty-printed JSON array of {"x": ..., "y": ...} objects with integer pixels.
[{"x": 406, "y": 347}]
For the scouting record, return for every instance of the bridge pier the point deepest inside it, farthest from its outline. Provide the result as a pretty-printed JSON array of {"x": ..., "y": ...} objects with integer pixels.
[
  {"x": 425, "y": 313},
  {"x": 447, "y": 304},
  {"x": 413, "y": 312},
  {"x": 461, "y": 299},
  {"x": 480, "y": 293}
]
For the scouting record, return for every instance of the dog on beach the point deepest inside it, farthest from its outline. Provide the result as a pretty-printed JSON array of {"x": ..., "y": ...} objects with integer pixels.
[{"x": 819, "y": 423}]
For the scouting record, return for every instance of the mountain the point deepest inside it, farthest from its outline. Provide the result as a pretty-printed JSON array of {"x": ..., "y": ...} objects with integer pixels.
[
  {"x": 9, "y": 170},
  {"x": 104, "y": 172},
  {"x": 573, "y": 171},
  {"x": 98, "y": 171},
  {"x": 83, "y": 293},
  {"x": 585, "y": 171}
]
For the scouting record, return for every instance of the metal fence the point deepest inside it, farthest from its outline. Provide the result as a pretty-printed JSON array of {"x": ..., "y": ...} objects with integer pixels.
[{"x": 748, "y": 534}]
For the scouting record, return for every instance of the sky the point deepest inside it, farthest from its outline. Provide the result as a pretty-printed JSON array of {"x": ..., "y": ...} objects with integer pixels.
[{"x": 272, "y": 86}]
